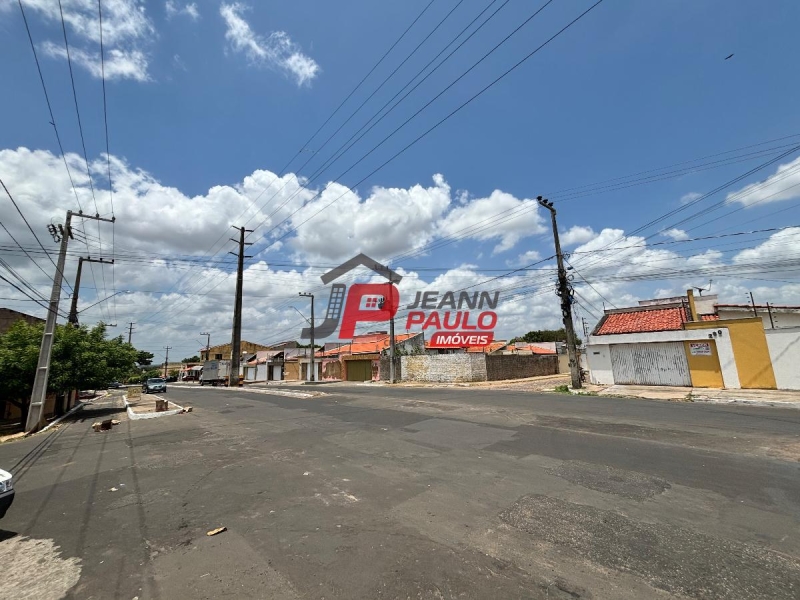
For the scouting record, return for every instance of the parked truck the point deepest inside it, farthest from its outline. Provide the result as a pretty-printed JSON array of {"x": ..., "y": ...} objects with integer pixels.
[{"x": 215, "y": 372}]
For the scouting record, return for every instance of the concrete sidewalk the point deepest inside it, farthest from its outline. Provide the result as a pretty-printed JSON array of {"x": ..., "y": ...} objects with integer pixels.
[{"x": 789, "y": 398}]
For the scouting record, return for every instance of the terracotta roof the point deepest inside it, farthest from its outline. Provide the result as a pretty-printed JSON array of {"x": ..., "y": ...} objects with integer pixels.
[
  {"x": 493, "y": 347},
  {"x": 640, "y": 321},
  {"x": 371, "y": 347},
  {"x": 709, "y": 317},
  {"x": 536, "y": 349}
]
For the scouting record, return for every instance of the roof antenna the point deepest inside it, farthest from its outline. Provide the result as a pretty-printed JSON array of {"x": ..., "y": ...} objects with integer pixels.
[{"x": 701, "y": 289}]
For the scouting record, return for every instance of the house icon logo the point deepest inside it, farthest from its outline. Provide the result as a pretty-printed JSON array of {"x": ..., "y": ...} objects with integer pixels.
[{"x": 362, "y": 302}]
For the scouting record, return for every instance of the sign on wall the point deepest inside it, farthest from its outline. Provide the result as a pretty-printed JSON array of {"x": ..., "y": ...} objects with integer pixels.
[{"x": 700, "y": 349}]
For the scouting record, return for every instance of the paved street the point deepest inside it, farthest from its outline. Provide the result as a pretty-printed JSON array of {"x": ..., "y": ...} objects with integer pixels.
[{"x": 374, "y": 492}]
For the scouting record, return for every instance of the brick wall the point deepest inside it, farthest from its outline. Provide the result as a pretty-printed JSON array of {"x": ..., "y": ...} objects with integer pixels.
[
  {"x": 443, "y": 368},
  {"x": 518, "y": 366}
]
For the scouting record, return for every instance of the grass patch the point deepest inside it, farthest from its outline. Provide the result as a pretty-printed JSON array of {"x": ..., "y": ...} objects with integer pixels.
[{"x": 562, "y": 389}]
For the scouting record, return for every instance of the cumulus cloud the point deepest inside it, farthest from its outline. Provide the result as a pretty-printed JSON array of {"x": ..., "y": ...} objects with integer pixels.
[
  {"x": 499, "y": 216},
  {"x": 784, "y": 184},
  {"x": 577, "y": 234},
  {"x": 276, "y": 50},
  {"x": 127, "y": 32},
  {"x": 526, "y": 258},
  {"x": 189, "y": 10},
  {"x": 676, "y": 234}
]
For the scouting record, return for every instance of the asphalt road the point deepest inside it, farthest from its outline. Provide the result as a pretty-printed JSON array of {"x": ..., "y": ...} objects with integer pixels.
[{"x": 377, "y": 492}]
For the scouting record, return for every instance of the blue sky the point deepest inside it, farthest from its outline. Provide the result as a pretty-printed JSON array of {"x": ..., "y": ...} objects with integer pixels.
[{"x": 201, "y": 102}]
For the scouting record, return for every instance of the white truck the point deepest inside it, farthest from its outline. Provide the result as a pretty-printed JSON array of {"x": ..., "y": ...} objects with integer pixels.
[{"x": 215, "y": 372}]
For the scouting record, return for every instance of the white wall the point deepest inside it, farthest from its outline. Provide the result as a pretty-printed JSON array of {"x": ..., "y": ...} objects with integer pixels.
[
  {"x": 599, "y": 353},
  {"x": 784, "y": 350},
  {"x": 780, "y": 318}
]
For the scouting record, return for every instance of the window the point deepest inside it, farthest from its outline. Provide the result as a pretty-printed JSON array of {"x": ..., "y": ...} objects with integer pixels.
[{"x": 218, "y": 357}]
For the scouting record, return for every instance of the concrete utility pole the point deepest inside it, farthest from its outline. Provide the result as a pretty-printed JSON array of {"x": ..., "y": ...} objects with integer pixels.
[
  {"x": 130, "y": 330},
  {"x": 166, "y": 360},
  {"x": 753, "y": 302},
  {"x": 39, "y": 393},
  {"x": 208, "y": 344},
  {"x": 73, "y": 311},
  {"x": 313, "y": 366},
  {"x": 565, "y": 292},
  {"x": 392, "y": 347},
  {"x": 236, "y": 336}
]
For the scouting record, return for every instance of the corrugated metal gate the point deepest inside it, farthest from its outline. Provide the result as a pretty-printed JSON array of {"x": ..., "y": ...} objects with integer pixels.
[
  {"x": 650, "y": 364},
  {"x": 359, "y": 370}
]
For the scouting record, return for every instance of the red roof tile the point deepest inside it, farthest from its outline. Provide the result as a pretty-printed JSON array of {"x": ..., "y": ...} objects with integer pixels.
[
  {"x": 639, "y": 321},
  {"x": 709, "y": 317},
  {"x": 370, "y": 347},
  {"x": 494, "y": 346}
]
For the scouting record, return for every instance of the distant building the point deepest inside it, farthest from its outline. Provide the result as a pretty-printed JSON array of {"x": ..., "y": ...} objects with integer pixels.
[{"x": 9, "y": 316}]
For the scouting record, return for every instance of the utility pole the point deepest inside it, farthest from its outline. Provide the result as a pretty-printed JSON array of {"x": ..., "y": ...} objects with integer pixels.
[
  {"x": 208, "y": 344},
  {"x": 39, "y": 393},
  {"x": 313, "y": 366},
  {"x": 166, "y": 360},
  {"x": 771, "y": 322},
  {"x": 73, "y": 311},
  {"x": 565, "y": 292},
  {"x": 392, "y": 347},
  {"x": 585, "y": 328},
  {"x": 753, "y": 302},
  {"x": 236, "y": 336},
  {"x": 130, "y": 330}
]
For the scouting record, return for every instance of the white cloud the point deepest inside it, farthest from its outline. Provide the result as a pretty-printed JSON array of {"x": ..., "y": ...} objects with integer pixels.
[
  {"x": 526, "y": 258},
  {"x": 127, "y": 31},
  {"x": 784, "y": 184},
  {"x": 189, "y": 10},
  {"x": 676, "y": 234},
  {"x": 277, "y": 50},
  {"x": 577, "y": 234},
  {"x": 520, "y": 219},
  {"x": 690, "y": 197},
  {"x": 177, "y": 61}
]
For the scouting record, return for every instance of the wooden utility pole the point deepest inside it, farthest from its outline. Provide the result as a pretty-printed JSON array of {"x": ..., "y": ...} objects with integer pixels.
[
  {"x": 313, "y": 366},
  {"x": 236, "y": 336},
  {"x": 166, "y": 360},
  {"x": 564, "y": 291},
  {"x": 39, "y": 393},
  {"x": 73, "y": 311},
  {"x": 753, "y": 302}
]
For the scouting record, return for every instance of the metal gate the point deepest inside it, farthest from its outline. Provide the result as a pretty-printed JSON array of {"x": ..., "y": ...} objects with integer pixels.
[
  {"x": 359, "y": 370},
  {"x": 650, "y": 364}
]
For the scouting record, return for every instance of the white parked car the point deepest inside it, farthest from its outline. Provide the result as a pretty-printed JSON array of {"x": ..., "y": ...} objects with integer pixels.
[{"x": 6, "y": 492}]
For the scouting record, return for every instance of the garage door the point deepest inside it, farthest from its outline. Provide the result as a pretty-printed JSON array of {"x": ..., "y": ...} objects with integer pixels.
[
  {"x": 650, "y": 364},
  {"x": 359, "y": 370}
]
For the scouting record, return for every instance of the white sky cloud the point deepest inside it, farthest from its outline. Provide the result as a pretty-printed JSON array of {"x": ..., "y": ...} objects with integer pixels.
[
  {"x": 127, "y": 31},
  {"x": 676, "y": 234},
  {"x": 276, "y": 50},
  {"x": 577, "y": 234},
  {"x": 382, "y": 222},
  {"x": 521, "y": 218},
  {"x": 784, "y": 184},
  {"x": 189, "y": 10},
  {"x": 690, "y": 197}
]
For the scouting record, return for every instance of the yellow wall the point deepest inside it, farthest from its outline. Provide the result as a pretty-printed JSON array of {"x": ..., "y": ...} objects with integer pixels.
[
  {"x": 705, "y": 370},
  {"x": 750, "y": 350}
]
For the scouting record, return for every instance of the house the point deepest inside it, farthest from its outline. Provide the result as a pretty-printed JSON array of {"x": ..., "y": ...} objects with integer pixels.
[
  {"x": 297, "y": 361},
  {"x": 688, "y": 341},
  {"x": 361, "y": 359},
  {"x": 265, "y": 365},
  {"x": 9, "y": 316},
  {"x": 223, "y": 351}
]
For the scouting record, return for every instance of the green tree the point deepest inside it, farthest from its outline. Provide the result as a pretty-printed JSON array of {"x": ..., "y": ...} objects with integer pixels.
[
  {"x": 144, "y": 359},
  {"x": 545, "y": 335},
  {"x": 82, "y": 358},
  {"x": 174, "y": 372},
  {"x": 194, "y": 358}
]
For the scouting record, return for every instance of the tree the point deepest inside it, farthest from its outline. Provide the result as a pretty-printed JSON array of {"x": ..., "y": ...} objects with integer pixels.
[
  {"x": 174, "y": 372},
  {"x": 194, "y": 358},
  {"x": 82, "y": 358},
  {"x": 144, "y": 359},
  {"x": 544, "y": 335}
]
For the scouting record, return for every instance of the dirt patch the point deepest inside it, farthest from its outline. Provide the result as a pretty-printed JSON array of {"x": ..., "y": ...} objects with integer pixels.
[{"x": 620, "y": 482}]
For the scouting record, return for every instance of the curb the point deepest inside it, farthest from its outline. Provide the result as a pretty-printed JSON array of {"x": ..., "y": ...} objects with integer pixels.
[
  {"x": 166, "y": 413},
  {"x": 72, "y": 410},
  {"x": 267, "y": 390}
]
